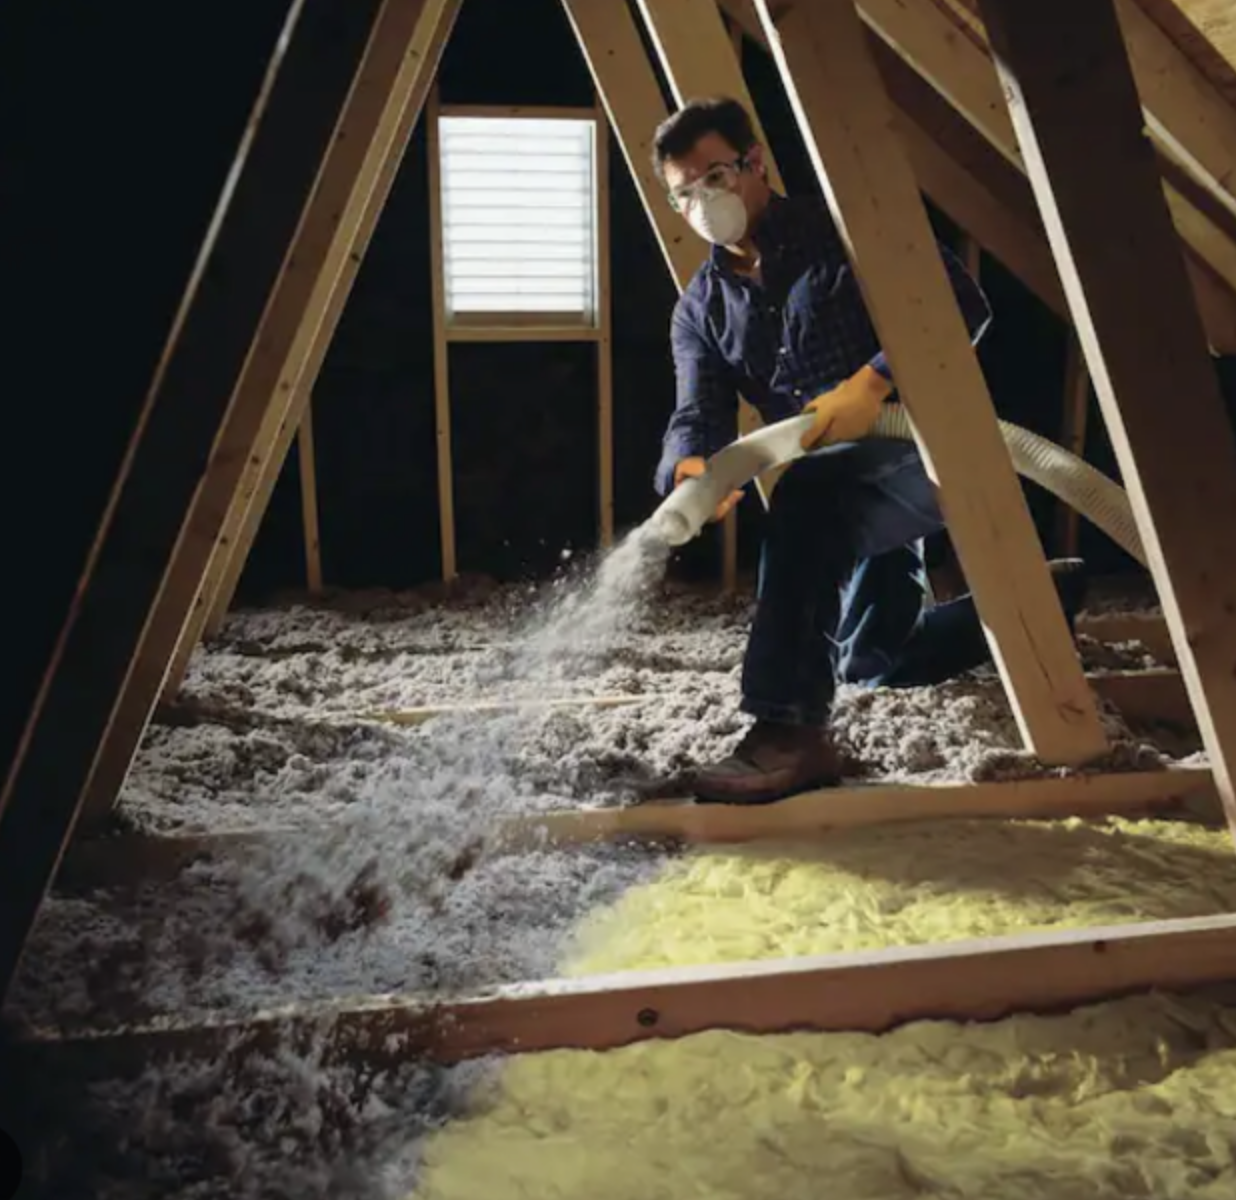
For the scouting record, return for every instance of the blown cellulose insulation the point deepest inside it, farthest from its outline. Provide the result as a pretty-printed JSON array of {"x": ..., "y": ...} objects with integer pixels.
[{"x": 1131, "y": 1098}]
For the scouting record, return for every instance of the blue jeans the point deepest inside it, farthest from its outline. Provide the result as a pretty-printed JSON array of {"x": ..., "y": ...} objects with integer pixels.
[{"x": 842, "y": 585}]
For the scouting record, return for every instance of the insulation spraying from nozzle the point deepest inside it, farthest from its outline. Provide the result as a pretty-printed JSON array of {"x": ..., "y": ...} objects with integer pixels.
[{"x": 684, "y": 512}]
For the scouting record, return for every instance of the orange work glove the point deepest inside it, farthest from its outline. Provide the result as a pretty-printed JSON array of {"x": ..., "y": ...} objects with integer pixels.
[
  {"x": 691, "y": 468},
  {"x": 848, "y": 412}
]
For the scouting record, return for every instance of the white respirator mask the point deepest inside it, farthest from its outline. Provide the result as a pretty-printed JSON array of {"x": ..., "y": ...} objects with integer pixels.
[{"x": 718, "y": 216}]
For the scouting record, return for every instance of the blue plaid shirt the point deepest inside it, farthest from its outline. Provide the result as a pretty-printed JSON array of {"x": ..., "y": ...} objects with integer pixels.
[{"x": 780, "y": 345}]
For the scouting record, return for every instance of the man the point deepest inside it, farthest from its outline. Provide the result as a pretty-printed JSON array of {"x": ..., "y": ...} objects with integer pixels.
[{"x": 775, "y": 313}]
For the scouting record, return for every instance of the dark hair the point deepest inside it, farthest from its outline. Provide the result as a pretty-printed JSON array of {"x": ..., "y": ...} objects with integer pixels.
[{"x": 676, "y": 135}]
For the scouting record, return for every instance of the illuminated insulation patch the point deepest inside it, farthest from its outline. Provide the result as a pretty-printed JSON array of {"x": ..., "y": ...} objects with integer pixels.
[{"x": 1136, "y": 1097}]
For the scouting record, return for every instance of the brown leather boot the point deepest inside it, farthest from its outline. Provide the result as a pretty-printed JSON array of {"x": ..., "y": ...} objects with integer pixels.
[{"x": 771, "y": 762}]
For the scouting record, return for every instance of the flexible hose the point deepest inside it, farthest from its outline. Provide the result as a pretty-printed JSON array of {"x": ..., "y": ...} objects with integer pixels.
[{"x": 1072, "y": 480}]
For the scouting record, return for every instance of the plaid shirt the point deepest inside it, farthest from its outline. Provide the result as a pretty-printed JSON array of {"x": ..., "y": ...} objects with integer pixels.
[{"x": 781, "y": 344}]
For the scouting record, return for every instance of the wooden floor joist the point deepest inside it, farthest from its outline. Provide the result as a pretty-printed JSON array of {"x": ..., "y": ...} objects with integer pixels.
[
  {"x": 427, "y": 712},
  {"x": 1143, "y": 793},
  {"x": 1156, "y": 694},
  {"x": 1150, "y": 629},
  {"x": 870, "y": 991},
  {"x": 265, "y": 269},
  {"x": 139, "y": 859},
  {"x": 1078, "y": 119}
]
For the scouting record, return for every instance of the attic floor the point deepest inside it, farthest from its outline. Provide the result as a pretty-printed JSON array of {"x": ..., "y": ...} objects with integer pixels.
[{"x": 272, "y": 730}]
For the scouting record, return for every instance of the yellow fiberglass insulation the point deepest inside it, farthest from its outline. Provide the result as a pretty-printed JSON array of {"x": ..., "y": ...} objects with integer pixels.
[{"x": 1131, "y": 1098}]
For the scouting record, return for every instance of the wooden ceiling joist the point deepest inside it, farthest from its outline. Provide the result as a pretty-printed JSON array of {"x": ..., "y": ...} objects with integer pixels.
[{"x": 1205, "y": 30}]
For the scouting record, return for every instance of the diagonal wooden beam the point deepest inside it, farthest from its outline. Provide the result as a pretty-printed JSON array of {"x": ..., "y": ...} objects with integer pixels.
[
  {"x": 278, "y": 264},
  {"x": 1187, "y": 115},
  {"x": 251, "y": 499},
  {"x": 955, "y": 59},
  {"x": 846, "y": 120},
  {"x": 610, "y": 42},
  {"x": 41, "y": 793},
  {"x": 965, "y": 176},
  {"x": 1189, "y": 118},
  {"x": 1206, "y": 32},
  {"x": 1078, "y": 119},
  {"x": 303, "y": 315},
  {"x": 699, "y": 58},
  {"x": 967, "y": 179},
  {"x": 980, "y": 979},
  {"x": 697, "y": 55}
]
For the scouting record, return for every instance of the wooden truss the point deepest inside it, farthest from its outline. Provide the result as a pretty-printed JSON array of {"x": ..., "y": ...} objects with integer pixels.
[{"x": 1040, "y": 153}]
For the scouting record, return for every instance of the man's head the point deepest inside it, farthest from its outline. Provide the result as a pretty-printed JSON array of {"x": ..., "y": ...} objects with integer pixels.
[{"x": 713, "y": 168}]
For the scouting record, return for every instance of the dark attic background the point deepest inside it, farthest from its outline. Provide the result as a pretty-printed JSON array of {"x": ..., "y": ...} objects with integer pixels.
[{"x": 119, "y": 126}]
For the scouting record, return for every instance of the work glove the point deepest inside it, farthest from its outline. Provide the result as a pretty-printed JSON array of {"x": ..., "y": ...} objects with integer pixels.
[
  {"x": 848, "y": 411},
  {"x": 691, "y": 468}
]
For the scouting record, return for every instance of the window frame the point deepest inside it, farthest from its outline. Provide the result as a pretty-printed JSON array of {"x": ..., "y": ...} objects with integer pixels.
[{"x": 515, "y": 324}]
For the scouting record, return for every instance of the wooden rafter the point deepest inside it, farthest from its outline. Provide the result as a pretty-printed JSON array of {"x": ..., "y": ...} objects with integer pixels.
[
  {"x": 699, "y": 58},
  {"x": 697, "y": 55},
  {"x": 1078, "y": 119},
  {"x": 209, "y": 402},
  {"x": 967, "y": 179},
  {"x": 628, "y": 88},
  {"x": 1205, "y": 30},
  {"x": 260, "y": 474},
  {"x": 845, "y": 117},
  {"x": 941, "y": 143},
  {"x": 1187, "y": 115},
  {"x": 955, "y": 166},
  {"x": 953, "y": 56}
]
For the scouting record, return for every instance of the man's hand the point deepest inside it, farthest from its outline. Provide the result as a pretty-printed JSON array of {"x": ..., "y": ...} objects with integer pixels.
[
  {"x": 848, "y": 412},
  {"x": 692, "y": 468}
]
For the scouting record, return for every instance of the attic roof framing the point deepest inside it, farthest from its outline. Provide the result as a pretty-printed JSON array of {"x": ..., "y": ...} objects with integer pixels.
[{"x": 200, "y": 427}]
